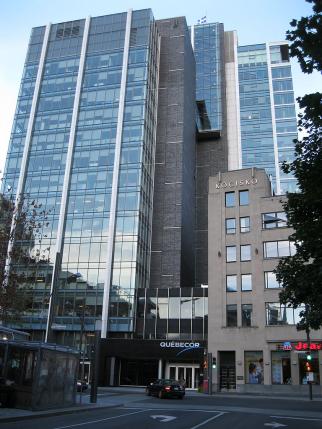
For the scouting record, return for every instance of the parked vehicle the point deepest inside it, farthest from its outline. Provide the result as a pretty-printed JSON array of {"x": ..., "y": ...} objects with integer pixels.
[
  {"x": 81, "y": 386},
  {"x": 166, "y": 388}
]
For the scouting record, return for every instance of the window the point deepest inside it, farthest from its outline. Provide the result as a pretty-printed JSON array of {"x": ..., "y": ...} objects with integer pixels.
[
  {"x": 232, "y": 315},
  {"x": 254, "y": 367},
  {"x": 246, "y": 282},
  {"x": 243, "y": 198},
  {"x": 230, "y": 199},
  {"x": 247, "y": 311},
  {"x": 245, "y": 252},
  {"x": 244, "y": 224},
  {"x": 281, "y": 367},
  {"x": 231, "y": 283},
  {"x": 274, "y": 220},
  {"x": 231, "y": 226},
  {"x": 280, "y": 314},
  {"x": 270, "y": 280},
  {"x": 231, "y": 254},
  {"x": 278, "y": 249}
]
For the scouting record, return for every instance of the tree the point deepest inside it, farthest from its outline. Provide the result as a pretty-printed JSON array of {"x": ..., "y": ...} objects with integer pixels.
[
  {"x": 18, "y": 268},
  {"x": 301, "y": 274}
]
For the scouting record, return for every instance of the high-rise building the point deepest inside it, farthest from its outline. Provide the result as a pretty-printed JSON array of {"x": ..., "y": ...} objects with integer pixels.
[
  {"x": 120, "y": 122},
  {"x": 267, "y": 110}
]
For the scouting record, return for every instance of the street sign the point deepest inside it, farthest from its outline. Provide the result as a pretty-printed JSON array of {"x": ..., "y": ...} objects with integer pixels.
[{"x": 163, "y": 419}]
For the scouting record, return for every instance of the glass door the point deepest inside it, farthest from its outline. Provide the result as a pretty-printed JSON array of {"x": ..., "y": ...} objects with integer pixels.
[{"x": 187, "y": 374}]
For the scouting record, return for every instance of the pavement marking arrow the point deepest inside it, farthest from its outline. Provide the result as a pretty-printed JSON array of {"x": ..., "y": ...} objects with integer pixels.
[
  {"x": 163, "y": 419},
  {"x": 275, "y": 425}
]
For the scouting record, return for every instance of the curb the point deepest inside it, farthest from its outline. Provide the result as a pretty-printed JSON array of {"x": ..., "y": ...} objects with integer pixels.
[{"x": 55, "y": 412}]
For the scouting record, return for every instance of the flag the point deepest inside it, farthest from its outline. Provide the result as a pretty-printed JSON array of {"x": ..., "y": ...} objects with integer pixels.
[{"x": 202, "y": 20}]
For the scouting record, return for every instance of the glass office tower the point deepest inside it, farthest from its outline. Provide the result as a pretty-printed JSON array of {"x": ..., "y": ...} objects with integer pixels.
[
  {"x": 207, "y": 42},
  {"x": 267, "y": 110},
  {"x": 82, "y": 146}
]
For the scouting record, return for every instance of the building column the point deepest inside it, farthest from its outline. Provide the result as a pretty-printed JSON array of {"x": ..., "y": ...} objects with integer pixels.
[
  {"x": 160, "y": 368},
  {"x": 112, "y": 371},
  {"x": 116, "y": 169}
]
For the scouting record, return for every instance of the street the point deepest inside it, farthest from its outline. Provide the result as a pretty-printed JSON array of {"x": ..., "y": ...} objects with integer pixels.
[{"x": 137, "y": 411}]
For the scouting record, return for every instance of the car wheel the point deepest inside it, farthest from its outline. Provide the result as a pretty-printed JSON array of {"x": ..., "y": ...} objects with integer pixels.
[
  {"x": 160, "y": 395},
  {"x": 180, "y": 397}
]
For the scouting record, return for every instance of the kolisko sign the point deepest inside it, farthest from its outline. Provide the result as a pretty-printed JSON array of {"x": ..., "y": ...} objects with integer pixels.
[{"x": 236, "y": 183}]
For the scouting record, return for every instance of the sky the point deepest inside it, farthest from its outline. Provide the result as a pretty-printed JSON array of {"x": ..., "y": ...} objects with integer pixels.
[{"x": 256, "y": 21}]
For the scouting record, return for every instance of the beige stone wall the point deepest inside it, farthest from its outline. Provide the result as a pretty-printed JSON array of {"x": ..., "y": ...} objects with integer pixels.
[{"x": 258, "y": 337}]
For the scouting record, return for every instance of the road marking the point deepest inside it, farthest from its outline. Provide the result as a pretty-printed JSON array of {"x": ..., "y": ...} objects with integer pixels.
[
  {"x": 275, "y": 425},
  {"x": 163, "y": 419},
  {"x": 100, "y": 420},
  {"x": 207, "y": 421},
  {"x": 297, "y": 418},
  {"x": 182, "y": 410}
]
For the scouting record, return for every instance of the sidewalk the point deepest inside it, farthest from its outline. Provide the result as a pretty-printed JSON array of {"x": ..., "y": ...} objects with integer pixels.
[{"x": 106, "y": 398}]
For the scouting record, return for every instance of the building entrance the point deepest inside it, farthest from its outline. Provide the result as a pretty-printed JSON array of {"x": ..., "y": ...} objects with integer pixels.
[{"x": 188, "y": 372}]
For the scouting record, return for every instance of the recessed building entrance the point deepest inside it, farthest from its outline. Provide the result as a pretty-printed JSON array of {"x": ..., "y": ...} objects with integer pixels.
[{"x": 190, "y": 373}]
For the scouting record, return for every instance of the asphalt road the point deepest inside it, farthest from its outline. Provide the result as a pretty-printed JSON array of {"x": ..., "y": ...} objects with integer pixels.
[{"x": 193, "y": 412}]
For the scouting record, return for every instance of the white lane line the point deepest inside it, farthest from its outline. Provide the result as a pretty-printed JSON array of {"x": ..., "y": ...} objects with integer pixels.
[
  {"x": 297, "y": 418},
  {"x": 207, "y": 421},
  {"x": 182, "y": 410},
  {"x": 100, "y": 420}
]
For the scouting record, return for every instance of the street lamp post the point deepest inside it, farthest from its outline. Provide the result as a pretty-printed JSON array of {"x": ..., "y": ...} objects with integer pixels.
[{"x": 95, "y": 361}]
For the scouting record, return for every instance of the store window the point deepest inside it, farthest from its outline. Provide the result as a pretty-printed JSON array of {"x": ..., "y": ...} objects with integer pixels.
[
  {"x": 281, "y": 367},
  {"x": 254, "y": 367},
  {"x": 244, "y": 224},
  {"x": 230, "y": 199},
  {"x": 306, "y": 367},
  {"x": 231, "y": 226},
  {"x": 232, "y": 315},
  {"x": 243, "y": 198}
]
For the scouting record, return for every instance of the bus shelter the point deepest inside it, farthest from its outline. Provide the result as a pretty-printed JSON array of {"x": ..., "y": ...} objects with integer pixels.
[{"x": 37, "y": 376}]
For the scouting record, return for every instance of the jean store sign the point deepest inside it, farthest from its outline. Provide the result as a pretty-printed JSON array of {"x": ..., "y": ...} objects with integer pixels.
[{"x": 301, "y": 346}]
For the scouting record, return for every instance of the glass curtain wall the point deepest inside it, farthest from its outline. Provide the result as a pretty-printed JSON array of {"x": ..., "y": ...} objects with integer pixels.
[
  {"x": 255, "y": 109},
  {"x": 47, "y": 157},
  {"x": 207, "y": 48},
  {"x": 285, "y": 115}
]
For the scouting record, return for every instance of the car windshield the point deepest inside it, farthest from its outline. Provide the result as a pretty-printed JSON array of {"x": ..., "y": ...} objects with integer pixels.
[{"x": 168, "y": 381}]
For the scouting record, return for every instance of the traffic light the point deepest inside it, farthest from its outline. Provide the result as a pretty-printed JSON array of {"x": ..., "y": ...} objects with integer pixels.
[
  {"x": 308, "y": 356},
  {"x": 308, "y": 367},
  {"x": 214, "y": 362}
]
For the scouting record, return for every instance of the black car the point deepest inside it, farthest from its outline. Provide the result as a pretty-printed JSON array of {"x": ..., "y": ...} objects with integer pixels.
[
  {"x": 81, "y": 385},
  {"x": 166, "y": 388}
]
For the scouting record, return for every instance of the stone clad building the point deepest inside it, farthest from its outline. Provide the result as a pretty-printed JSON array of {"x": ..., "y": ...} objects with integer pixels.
[{"x": 251, "y": 335}]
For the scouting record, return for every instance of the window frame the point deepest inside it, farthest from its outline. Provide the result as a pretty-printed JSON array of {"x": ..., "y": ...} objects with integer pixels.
[
  {"x": 241, "y": 227},
  {"x": 232, "y": 193},
  {"x": 251, "y": 282},
  {"x": 241, "y": 193},
  {"x": 232, "y": 229},
  {"x": 234, "y": 260},
  {"x": 250, "y": 252}
]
